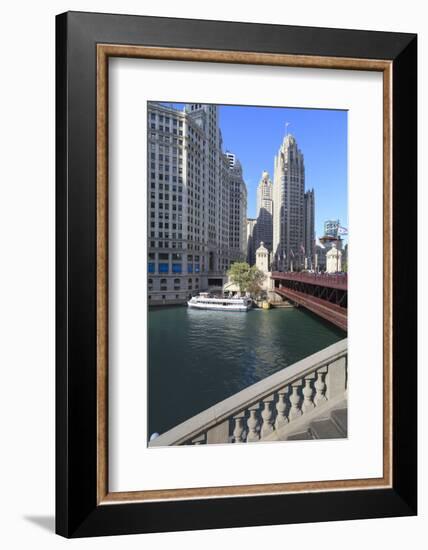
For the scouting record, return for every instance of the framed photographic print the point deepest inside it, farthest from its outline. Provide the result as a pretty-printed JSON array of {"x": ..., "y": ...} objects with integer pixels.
[{"x": 236, "y": 309}]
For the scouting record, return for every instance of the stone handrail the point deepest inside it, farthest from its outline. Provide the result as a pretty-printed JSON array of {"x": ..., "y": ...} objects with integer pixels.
[{"x": 254, "y": 413}]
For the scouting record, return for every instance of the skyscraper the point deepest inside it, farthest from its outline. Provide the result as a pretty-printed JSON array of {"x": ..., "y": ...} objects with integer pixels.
[
  {"x": 263, "y": 231},
  {"x": 251, "y": 246},
  {"x": 190, "y": 188},
  {"x": 309, "y": 227},
  {"x": 288, "y": 205},
  {"x": 237, "y": 210},
  {"x": 212, "y": 172}
]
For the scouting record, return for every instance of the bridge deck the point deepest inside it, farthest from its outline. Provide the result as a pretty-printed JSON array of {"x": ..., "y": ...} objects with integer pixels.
[{"x": 328, "y": 311}]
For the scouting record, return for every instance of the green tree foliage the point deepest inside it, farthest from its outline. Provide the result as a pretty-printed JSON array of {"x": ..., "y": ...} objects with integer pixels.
[{"x": 246, "y": 278}]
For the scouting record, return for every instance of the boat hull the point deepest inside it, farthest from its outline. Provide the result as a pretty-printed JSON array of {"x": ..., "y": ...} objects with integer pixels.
[{"x": 218, "y": 307}]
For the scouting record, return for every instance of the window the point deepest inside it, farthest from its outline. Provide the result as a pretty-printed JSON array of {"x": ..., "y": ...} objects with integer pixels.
[
  {"x": 163, "y": 268},
  {"x": 176, "y": 268},
  {"x": 151, "y": 267}
]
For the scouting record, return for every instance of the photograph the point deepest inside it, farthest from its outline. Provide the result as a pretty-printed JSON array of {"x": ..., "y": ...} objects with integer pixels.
[
  {"x": 219, "y": 184},
  {"x": 247, "y": 273},
  {"x": 194, "y": 195}
]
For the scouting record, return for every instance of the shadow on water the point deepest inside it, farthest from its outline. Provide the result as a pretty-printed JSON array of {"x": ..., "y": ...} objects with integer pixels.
[{"x": 197, "y": 358}]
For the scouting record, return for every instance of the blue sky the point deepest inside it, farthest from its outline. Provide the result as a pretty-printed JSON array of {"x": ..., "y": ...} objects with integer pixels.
[{"x": 255, "y": 134}]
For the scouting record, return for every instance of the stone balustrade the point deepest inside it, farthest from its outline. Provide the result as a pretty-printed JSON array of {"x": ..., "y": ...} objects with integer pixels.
[{"x": 262, "y": 410}]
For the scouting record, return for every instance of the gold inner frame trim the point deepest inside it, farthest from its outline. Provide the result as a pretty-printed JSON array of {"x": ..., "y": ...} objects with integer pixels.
[{"x": 104, "y": 52}]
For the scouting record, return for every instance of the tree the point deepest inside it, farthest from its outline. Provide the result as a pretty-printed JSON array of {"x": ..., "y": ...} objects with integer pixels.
[
  {"x": 256, "y": 279},
  {"x": 248, "y": 279}
]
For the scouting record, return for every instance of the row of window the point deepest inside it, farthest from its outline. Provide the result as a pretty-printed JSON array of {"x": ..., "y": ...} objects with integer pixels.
[
  {"x": 176, "y": 281},
  {"x": 175, "y": 268},
  {"x": 166, "y": 244},
  {"x": 165, "y": 197},
  {"x": 178, "y": 284},
  {"x": 161, "y": 129},
  {"x": 166, "y": 119},
  {"x": 168, "y": 205},
  {"x": 174, "y": 255},
  {"x": 166, "y": 139}
]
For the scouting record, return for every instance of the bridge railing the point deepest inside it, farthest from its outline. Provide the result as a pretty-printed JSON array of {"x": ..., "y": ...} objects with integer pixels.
[
  {"x": 325, "y": 279},
  {"x": 254, "y": 413}
]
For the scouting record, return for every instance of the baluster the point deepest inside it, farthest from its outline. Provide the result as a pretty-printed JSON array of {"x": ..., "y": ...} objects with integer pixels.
[
  {"x": 238, "y": 432},
  {"x": 307, "y": 391},
  {"x": 295, "y": 410},
  {"x": 253, "y": 424},
  {"x": 281, "y": 407},
  {"x": 267, "y": 417},
  {"x": 320, "y": 387}
]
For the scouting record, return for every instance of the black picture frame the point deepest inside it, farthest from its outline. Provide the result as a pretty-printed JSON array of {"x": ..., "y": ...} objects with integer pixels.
[{"x": 78, "y": 513}]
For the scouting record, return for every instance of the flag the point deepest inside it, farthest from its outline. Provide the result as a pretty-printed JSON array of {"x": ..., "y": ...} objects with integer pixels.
[
  {"x": 302, "y": 248},
  {"x": 284, "y": 255},
  {"x": 291, "y": 253},
  {"x": 342, "y": 230}
]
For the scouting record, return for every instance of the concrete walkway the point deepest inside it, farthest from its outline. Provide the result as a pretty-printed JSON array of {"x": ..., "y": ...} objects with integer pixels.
[{"x": 331, "y": 426}]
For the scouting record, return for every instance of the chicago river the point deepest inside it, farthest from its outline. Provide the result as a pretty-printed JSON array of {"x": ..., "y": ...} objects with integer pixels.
[{"x": 198, "y": 358}]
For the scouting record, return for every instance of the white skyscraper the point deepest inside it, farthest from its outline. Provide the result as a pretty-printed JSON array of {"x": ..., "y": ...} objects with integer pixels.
[{"x": 288, "y": 205}]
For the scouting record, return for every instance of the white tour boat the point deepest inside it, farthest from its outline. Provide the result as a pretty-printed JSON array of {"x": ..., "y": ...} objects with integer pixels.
[{"x": 205, "y": 301}]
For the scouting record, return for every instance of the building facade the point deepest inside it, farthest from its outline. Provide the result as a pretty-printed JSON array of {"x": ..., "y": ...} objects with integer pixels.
[
  {"x": 264, "y": 229},
  {"x": 288, "y": 206},
  {"x": 331, "y": 228},
  {"x": 237, "y": 210},
  {"x": 251, "y": 243},
  {"x": 189, "y": 202},
  {"x": 309, "y": 228}
]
